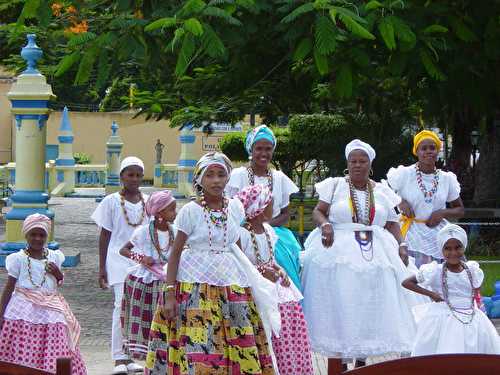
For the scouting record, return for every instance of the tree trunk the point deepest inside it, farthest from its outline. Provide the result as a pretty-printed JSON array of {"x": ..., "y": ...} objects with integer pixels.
[{"x": 487, "y": 191}]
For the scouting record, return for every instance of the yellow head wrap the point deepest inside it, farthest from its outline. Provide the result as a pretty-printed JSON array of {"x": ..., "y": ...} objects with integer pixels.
[{"x": 425, "y": 134}]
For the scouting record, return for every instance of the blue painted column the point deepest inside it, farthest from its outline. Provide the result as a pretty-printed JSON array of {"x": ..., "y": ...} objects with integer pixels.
[
  {"x": 187, "y": 161},
  {"x": 114, "y": 147},
  {"x": 65, "y": 163},
  {"x": 29, "y": 96}
]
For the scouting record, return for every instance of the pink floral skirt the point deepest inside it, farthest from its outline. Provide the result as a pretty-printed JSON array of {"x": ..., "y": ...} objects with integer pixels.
[
  {"x": 38, "y": 346},
  {"x": 293, "y": 349}
]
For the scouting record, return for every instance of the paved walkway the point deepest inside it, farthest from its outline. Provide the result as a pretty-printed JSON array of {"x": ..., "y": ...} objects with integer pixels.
[{"x": 92, "y": 306}]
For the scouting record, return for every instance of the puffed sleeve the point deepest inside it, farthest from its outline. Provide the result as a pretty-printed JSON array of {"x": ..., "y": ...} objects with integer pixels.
[
  {"x": 287, "y": 187},
  {"x": 58, "y": 257},
  {"x": 138, "y": 238},
  {"x": 237, "y": 211},
  {"x": 477, "y": 273},
  {"x": 453, "y": 187},
  {"x": 396, "y": 177},
  {"x": 325, "y": 189},
  {"x": 427, "y": 272},
  {"x": 103, "y": 214},
  {"x": 392, "y": 198},
  {"x": 246, "y": 241},
  {"x": 272, "y": 233},
  {"x": 13, "y": 265},
  {"x": 236, "y": 182},
  {"x": 184, "y": 221}
]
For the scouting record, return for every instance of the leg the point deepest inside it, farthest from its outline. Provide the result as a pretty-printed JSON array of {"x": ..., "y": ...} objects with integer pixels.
[{"x": 116, "y": 330}]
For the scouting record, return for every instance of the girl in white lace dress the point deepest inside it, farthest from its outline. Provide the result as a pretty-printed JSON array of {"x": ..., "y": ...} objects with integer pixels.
[
  {"x": 452, "y": 323},
  {"x": 354, "y": 304},
  {"x": 425, "y": 192}
]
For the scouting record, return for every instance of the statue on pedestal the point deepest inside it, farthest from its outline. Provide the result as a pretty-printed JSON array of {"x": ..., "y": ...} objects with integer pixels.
[{"x": 159, "y": 151}]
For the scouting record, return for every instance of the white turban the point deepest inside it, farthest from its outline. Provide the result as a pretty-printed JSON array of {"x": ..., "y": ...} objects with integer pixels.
[
  {"x": 130, "y": 161},
  {"x": 360, "y": 145},
  {"x": 451, "y": 231}
]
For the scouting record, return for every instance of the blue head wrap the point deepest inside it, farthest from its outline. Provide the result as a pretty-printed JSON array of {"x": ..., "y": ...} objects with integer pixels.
[{"x": 257, "y": 134}]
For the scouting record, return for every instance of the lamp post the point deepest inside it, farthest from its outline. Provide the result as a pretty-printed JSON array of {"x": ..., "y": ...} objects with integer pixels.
[{"x": 474, "y": 140}]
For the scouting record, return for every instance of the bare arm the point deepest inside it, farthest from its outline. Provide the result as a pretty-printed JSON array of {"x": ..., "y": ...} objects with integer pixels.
[
  {"x": 281, "y": 219},
  {"x": 126, "y": 249},
  {"x": 455, "y": 211},
  {"x": 411, "y": 283},
  {"x": 104, "y": 238},
  {"x": 170, "y": 307},
  {"x": 320, "y": 217},
  {"x": 395, "y": 230},
  {"x": 7, "y": 293}
]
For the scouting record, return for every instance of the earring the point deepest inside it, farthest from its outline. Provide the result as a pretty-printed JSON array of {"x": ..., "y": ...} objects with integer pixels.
[
  {"x": 371, "y": 172},
  {"x": 346, "y": 172}
]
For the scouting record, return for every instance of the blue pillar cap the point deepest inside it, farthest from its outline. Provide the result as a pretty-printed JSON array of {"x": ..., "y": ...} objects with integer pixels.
[
  {"x": 114, "y": 128},
  {"x": 65, "y": 123},
  {"x": 31, "y": 53}
]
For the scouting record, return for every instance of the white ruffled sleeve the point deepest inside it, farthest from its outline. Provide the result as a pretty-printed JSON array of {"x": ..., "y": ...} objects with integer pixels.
[
  {"x": 396, "y": 177},
  {"x": 103, "y": 214},
  {"x": 325, "y": 189},
  {"x": 427, "y": 272},
  {"x": 13, "y": 264},
  {"x": 236, "y": 182},
  {"x": 287, "y": 188},
  {"x": 139, "y": 237},
  {"x": 246, "y": 241},
  {"x": 453, "y": 187},
  {"x": 184, "y": 220},
  {"x": 58, "y": 257},
  {"x": 477, "y": 274}
]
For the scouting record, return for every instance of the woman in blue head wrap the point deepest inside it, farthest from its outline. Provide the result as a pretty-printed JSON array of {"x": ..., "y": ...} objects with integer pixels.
[{"x": 260, "y": 144}]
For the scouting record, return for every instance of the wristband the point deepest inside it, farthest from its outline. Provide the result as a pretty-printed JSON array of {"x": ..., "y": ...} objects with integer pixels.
[
  {"x": 403, "y": 244},
  {"x": 136, "y": 257},
  {"x": 169, "y": 288},
  {"x": 325, "y": 224}
]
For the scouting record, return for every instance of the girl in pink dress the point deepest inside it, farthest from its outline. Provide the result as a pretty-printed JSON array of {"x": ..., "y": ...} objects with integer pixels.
[{"x": 37, "y": 325}]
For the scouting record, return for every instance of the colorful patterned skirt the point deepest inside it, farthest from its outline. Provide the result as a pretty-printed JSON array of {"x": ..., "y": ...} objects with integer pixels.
[
  {"x": 38, "y": 346},
  {"x": 292, "y": 348},
  {"x": 138, "y": 306},
  {"x": 217, "y": 332}
]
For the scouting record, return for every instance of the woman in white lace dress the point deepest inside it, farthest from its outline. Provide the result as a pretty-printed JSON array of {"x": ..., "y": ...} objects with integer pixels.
[
  {"x": 425, "y": 192},
  {"x": 354, "y": 304}
]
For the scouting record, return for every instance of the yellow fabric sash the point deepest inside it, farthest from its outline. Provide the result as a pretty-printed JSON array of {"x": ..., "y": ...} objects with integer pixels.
[{"x": 406, "y": 223}]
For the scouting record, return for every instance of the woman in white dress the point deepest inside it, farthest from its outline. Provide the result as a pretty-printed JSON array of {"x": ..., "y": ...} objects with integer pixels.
[
  {"x": 425, "y": 191},
  {"x": 260, "y": 144},
  {"x": 453, "y": 323},
  {"x": 354, "y": 304}
]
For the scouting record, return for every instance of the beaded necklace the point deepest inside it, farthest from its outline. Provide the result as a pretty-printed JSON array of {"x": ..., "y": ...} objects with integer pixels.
[
  {"x": 122, "y": 203},
  {"x": 428, "y": 195},
  {"x": 45, "y": 256},
  {"x": 363, "y": 238},
  {"x": 218, "y": 218},
  {"x": 153, "y": 235},
  {"x": 269, "y": 176},
  {"x": 455, "y": 310},
  {"x": 261, "y": 263}
]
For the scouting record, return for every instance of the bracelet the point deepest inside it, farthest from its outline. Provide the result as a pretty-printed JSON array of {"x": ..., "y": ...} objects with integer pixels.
[
  {"x": 403, "y": 244},
  {"x": 168, "y": 288},
  {"x": 324, "y": 224},
  {"x": 136, "y": 257}
]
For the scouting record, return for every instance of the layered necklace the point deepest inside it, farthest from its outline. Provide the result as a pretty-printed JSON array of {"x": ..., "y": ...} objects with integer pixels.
[
  {"x": 269, "y": 176},
  {"x": 153, "y": 235},
  {"x": 363, "y": 238},
  {"x": 428, "y": 195},
  {"x": 124, "y": 209},
  {"x": 217, "y": 218},
  {"x": 467, "y": 312},
  {"x": 45, "y": 259},
  {"x": 262, "y": 264}
]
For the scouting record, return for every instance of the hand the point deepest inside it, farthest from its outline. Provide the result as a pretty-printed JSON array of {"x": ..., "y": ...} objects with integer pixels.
[
  {"x": 285, "y": 280},
  {"x": 148, "y": 261},
  {"x": 170, "y": 306},
  {"x": 103, "y": 279},
  {"x": 270, "y": 273},
  {"x": 436, "y": 297},
  {"x": 327, "y": 235},
  {"x": 54, "y": 271},
  {"x": 403, "y": 254},
  {"x": 435, "y": 219},
  {"x": 406, "y": 209}
]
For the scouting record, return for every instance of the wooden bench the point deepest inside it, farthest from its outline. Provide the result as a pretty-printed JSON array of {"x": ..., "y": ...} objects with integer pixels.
[
  {"x": 63, "y": 368},
  {"x": 443, "y": 364}
]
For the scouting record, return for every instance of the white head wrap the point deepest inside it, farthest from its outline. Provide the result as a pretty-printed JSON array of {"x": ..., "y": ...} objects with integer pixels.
[
  {"x": 130, "y": 161},
  {"x": 207, "y": 160},
  {"x": 360, "y": 145},
  {"x": 451, "y": 231}
]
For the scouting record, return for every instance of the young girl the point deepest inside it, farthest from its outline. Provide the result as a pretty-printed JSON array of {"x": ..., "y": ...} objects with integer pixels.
[
  {"x": 149, "y": 246},
  {"x": 118, "y": 215},
  {"x": 453, "y": 324},
  {"x": 37, "y": 325},
  {"x": 258, "y": 241},
  {"x": 209, "y": 323}
]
